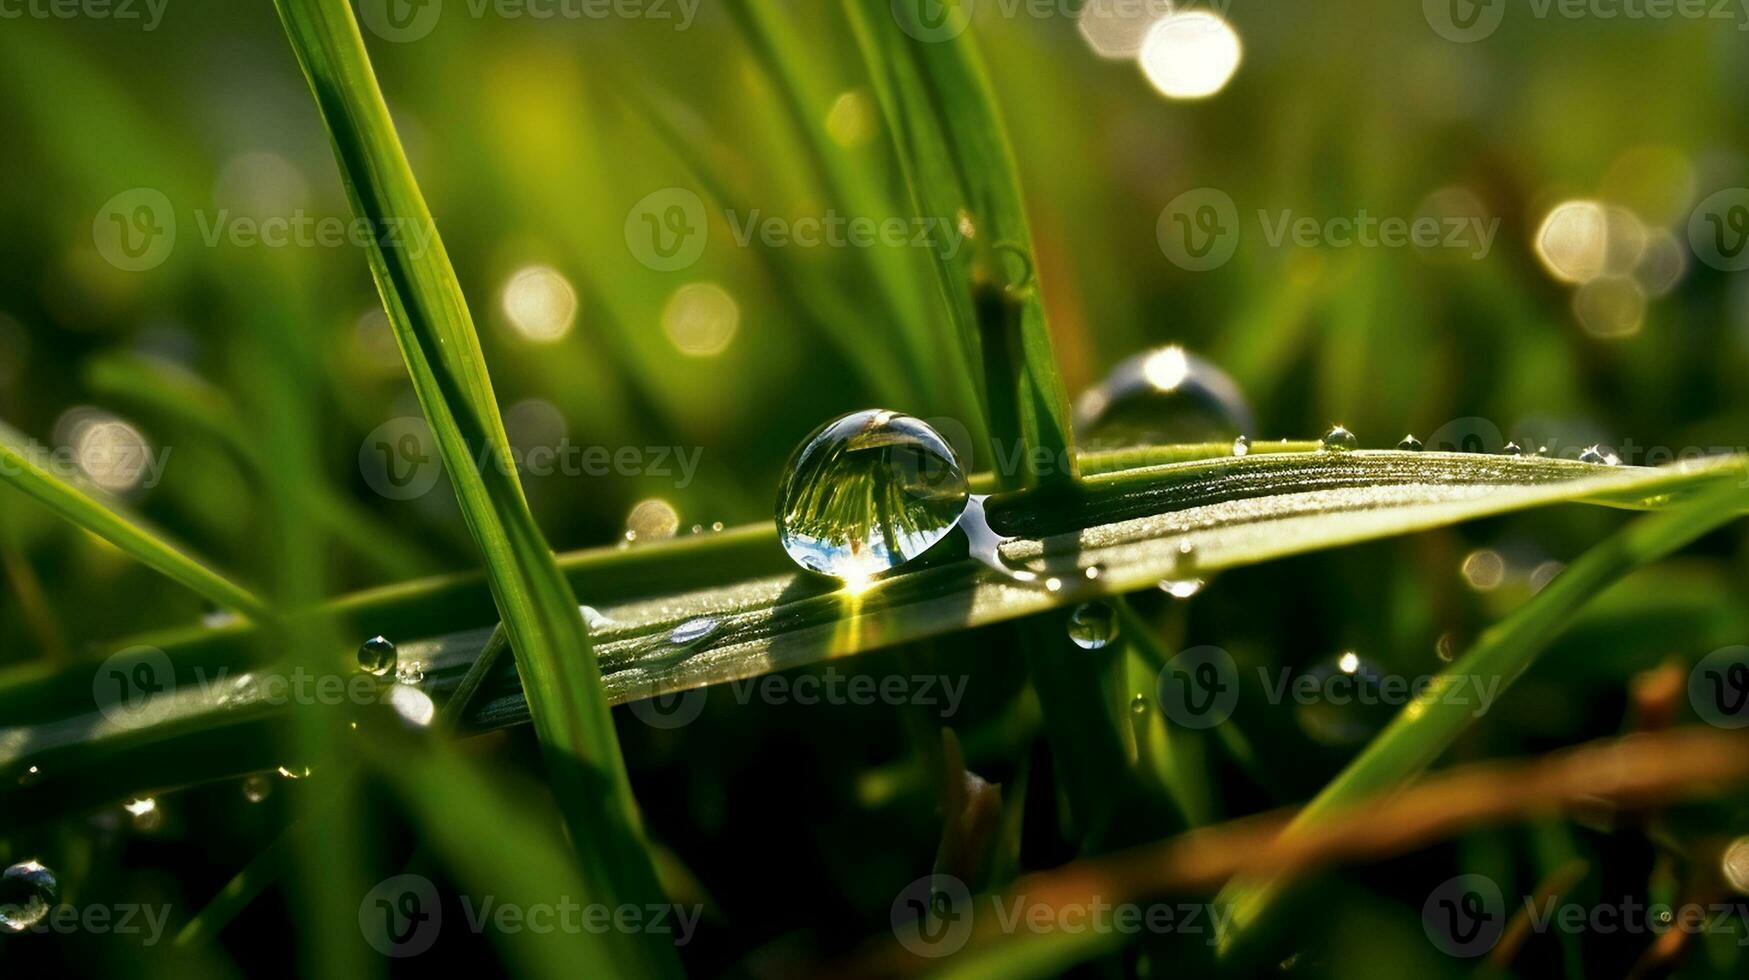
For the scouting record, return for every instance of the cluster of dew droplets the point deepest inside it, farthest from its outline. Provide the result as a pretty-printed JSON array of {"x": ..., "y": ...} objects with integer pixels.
[
  {"x": 28, "y": 890},
  {"x": 378, "y": 656}
]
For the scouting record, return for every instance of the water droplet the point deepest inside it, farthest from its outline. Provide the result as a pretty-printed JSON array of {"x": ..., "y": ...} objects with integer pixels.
[
  {"x": 1513, "y": 449},
  {"x": 26, "y": 891},
  {"x": 1485, "y": 570},
  {"x": 716, "y": 525},
  {"x": 1600, "y": 455},
  {"x": 1182, "y": 588},
  {"x": 1242, "y": 446},
  {"x": 1410, "y": 444},
  {"x": 1338, "y": 440},
  {"x": 1162, "y": 397},
  {"x": 1343, "y": 703},
  {"x": 868, "y": 492},
  {"x": 652, "y": 520},
  {"x": 1093, "y": 625},
  {"x": 214, "y": 617},
  {"x": 1543, "y": 574},
  {"x": 693, "y": 632},
  {"x": 1446, "y": 647},
  {"x": 295, "y": 772},
  {"x": 1735, "y": 865},
  {"x": 257, "y": 788},
  {"x": 1139, "y": 705},
  {"x": 376, "y": 656},
  {"x": 411, "y": 673}
]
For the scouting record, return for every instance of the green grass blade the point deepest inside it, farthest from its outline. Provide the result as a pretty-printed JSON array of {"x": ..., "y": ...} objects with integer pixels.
[
  {"x": 1428, "y": 725},
  {"x": 1234, "y": 512},
  {"x": 442, "y": 351},
  {"x": 85, "y": 508},
  {"x": 959, "y": 166}
]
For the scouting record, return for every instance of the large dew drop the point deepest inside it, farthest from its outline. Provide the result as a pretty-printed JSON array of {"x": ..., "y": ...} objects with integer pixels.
[
  {"x": 1162, "y": 397},
  {"x": 27, "y": 889},
  {"x": 868, "y": 492},
  {"x": 376, "y": 656}
]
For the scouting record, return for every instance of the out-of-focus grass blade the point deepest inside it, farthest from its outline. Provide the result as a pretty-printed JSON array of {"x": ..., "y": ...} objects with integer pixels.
[
  {"x": 442, "y": 351},
  {"x": 1429, "y": 724},
  {"x": 85, "y": 508},
  {"x": 496, "y": 845},
  {"x": 959, "y": 167}
]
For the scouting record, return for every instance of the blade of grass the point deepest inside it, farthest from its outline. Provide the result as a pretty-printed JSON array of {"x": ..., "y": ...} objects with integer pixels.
[
  {"x": 1427, "y": 726},
  {"x": 958, "y": 166},
  {"x": 85, "y": 507},
  {"x": 442, "y": 351},
  {"x": 1234, "y": 512}
]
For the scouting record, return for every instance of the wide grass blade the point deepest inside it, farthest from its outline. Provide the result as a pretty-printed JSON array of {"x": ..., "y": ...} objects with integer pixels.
[
  {"x": 1233, "y": 512},
  {"x": 86, "y": 508},
  {"x": 442, "y": 350},
  {"x": 1428, "y": 725}
]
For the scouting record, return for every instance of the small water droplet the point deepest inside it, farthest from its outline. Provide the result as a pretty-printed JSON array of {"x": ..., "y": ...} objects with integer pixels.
[
  {"x": 869, "y": 492},
  {"x": 1093, "y": 625},
  {"x": 411, "y": 673},
  {"x": 698, "y": 529},
  {"x": 1338, "y": 440},
  {"x": 1446, "y": 647},
  {"x": 1093, "y": 572},
  {"x": 1513, "y": 449},
  {"x": 1410, "y": 444},
  {"x": 1343, "y": 703},
  {"x": 27, "y": 890},
  {"x": 1242, "y": 446},
  {"x": 1600, "y": 455},
  {"x": 693, "y": 632},
  {"x": 376, "y": 656},
  {"x": 295, "y": 772},
  {"x": 1139, "y": 705},
  {"x": 651, "y": 520},
  {"x": 257, "y": 788},
  {"x": 1053, "y": 584},
  {"x": 214, "y": 616},
  {"x": 716, "y": 525},
  {"x": 1182, "y": 588},
  {"x": 1162, "y": 397}
]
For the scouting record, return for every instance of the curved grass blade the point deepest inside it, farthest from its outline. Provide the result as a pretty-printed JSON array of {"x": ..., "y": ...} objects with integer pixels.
[
  {"x": 85, "y": 508},
  {"x": 442, "y": 350},
  {"x": 1428, "y": 725},
  {"x": 1235, "y": 512}
]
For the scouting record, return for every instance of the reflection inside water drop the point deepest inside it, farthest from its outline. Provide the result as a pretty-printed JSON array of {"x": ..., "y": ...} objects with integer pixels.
[
  {"x": 1093, "y": 625},
  {"x": 868, "y": 492},
  {"x": 27, "y": 890}
]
